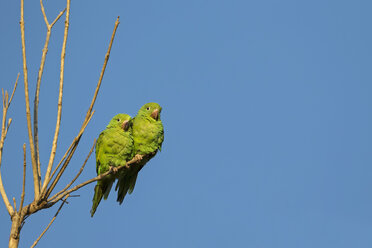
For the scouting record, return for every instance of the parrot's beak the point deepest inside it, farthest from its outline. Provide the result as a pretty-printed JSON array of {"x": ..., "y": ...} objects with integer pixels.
[
  {"x": 155, "y": 114},
  {"x": 125, "y": 125}
]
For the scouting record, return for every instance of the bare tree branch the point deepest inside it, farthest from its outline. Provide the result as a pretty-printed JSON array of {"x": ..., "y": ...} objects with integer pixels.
[
  {"x": 24, "y": 180},
  {"x": 28, "y": 114},
  {"x": 51, "y": 222},
  {"x": 59, "y": 111}
]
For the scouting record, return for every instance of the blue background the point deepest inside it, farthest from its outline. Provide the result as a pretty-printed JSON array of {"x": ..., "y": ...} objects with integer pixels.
[{"x": 267, "y": 115}]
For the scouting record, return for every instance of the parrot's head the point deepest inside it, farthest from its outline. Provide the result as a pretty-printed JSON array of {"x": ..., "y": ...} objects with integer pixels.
[
  {"x": 122, "y": 121},
  {"x": 151, "y": 109}
]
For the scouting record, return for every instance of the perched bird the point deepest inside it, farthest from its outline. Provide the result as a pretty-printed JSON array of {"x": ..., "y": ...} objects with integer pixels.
[
  {"x": 148, "y": 136},
  {"x": 114, "y": 148}
]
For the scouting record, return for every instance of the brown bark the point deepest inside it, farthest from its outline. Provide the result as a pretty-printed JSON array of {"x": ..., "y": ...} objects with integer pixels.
[{"x": 15, "y": 230}]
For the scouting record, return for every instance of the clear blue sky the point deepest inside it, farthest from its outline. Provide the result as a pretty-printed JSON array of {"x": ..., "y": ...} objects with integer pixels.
[{"x": 267, "y": 115}]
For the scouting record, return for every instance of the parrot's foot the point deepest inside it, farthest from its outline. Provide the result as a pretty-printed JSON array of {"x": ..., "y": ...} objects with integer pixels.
[
  {"x": 138, "y": 157},
  {"x": 114, "y": 169}
]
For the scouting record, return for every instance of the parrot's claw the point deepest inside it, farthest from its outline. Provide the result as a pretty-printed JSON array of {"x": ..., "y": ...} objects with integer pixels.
[
  {"x": 114, "y": 169},
  {"x": 138, "y": 157}
]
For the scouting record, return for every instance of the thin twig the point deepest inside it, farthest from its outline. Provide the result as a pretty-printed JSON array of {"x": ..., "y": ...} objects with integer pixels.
[
  {"x": 14, "y": 88},
  {"x": 6, "y": 97},
  {"x": 59, "y": 111},
  {"x": 4, "y": 131},
  {"x": 9, "y": 122},
  {"x": 80, "y": 171},
  {"x": 87, "y": 117},
  {"x": 15, "y": 204},
  {"x": 44, "y": 15},
  {"x": 72, "y": 146},
  {"x": 66, "y": 162},
  {"x": 57, "y": 18},
  {"x": 24, "y": 179},
  {"x": 28, "y": 114},
  {"x": 62, "y": 159},
  {"x": 103, "y": 68},
  {"x": 5, "y": 197},
  {"x": 51, "y": 222}
]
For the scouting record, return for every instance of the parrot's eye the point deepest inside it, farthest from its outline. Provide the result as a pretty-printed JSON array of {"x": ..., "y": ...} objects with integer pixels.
[
  {"x": 148, "y": 108},
  {"x": 118, "y": 119}
]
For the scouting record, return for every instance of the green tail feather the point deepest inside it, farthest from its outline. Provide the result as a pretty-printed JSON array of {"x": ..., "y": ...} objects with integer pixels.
[
  {"x": 125, "y": 185},
  {"x": 123, "y": 188},
  {"x": 107, "y": 189},
  {"x": 96, "y": 199},
  {"x": 102, "y": 189},
  {"x": 132, "y": 183}
]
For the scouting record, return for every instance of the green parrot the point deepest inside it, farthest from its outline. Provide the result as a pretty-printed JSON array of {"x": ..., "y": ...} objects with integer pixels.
[
  {"x": 114, "y": 148},
  {"x": 148, "y": 136}
]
